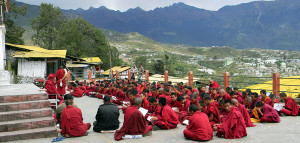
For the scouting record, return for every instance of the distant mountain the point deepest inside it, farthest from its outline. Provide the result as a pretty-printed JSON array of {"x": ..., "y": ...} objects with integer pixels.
[{"x": 262, "y": 24}]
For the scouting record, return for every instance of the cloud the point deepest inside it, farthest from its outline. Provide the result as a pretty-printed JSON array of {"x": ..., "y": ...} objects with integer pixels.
[{"x": 124, "y": 5}]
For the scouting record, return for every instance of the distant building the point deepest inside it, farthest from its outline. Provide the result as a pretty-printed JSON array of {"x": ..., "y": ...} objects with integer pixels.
[{"x": 228, "y": 61}]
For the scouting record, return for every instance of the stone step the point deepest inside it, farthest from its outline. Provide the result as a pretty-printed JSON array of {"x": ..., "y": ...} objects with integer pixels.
[
  {"x": 25, "y": 114},
  {"x": 22, "y": 98},
  {"x": 28, "y": 134},
  {"x": 27, "y": 124},
  {"x": 15, "y": 106}
]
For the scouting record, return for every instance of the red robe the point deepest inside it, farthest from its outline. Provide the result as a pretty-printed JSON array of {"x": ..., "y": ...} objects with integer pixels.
[
  {"x": 77, "y": 92},
  {"x": 266, "y": 100},
  {"x": 50, "y": 85},
  {"x": 175, "y": 104},
  {"x": 246, "y": 115},
  {"x": 60, "y": 77},
  {"x": 270, "y": 113},
  {"x": 240, "y": 100},
  {"x": 134, "y": 125},
  {"x": 213, "y": 108},
  {"x": 292, "y": 106},
  {"x": 72, "y": 122},
  {"x": 129, "y": 111},
  {"x": 215, "y": 85},
  {"x": 154, "y": 110},
  {"x": 145, "y": 103},
  {"x": 184, "y": 113},
  {"x": 168, "y": 118},
  {"x": 272, "y": 104},
  {"x": 227, "y": 97},
  {"x": 199, "y": 128},
  {"x": 233, "y": 125}
]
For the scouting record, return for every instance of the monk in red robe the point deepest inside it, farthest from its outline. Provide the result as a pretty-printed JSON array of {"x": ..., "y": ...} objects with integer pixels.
[
  {"x": 61, "y": 81},
  {"x": 50, "y": 85},
  {"x": 199, "y": 128},
  {"x": 182, "y": 112},
  {"x": 244, "y": 112},
  {"x": 265, "y": 99},
  {"x": 174, "y": 102},
  {"x": 168, "y": 118},
  {"x": 267, "y": 113},
  {"x": 194, "y": 98},
  {"x": 153, "y": 109},
  {"x": 202, "y": 107},
  {"x": 119, "y": 94},
  {"x": 291, "y": 108},
  {"x": 134, "y": 122},
  {"x": 71, "y": 120},
  {"x": 214, "y": 84},
  {"x": 212, "y": 110},
  {"x": 145, "y": 102},
  {"x": 238, "y": 98},
  {"x": 273, "y": 99},
  {"x": 76, "y": 91},
  {"x": 233, "y": 126}
]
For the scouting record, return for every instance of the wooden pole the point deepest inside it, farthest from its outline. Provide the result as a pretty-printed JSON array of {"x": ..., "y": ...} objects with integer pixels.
[
  {"x": 191, "y": 78},
  {"x": 226, "y": 79},
  {"x": 276, "y": 84},
  {"x": 147, "y": 75},
  {"x": 166, "y": 76}
]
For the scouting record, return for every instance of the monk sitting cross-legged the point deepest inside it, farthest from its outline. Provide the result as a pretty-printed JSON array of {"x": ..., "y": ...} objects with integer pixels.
[
  {"x": 199, "y": 128},
  {"x": 233, "y": 125},
  {"x": 291, "y": 108},
  {"x": 135, "y": 124},
  {"x": 212, "y": 110},
  {"x": 71, "y": 120},
  {"x": 244, "y": 112},
  {"x": 167, "y": 119},
  {"x": 267, "y": 113}
]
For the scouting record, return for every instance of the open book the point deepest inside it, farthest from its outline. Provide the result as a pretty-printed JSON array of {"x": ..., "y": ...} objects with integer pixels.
[
  {"x": 149, "y": 118},
  {"x": 114, "y": 98},
  {"x": 174, "y": 108},
  {"x": 186, "y": 122},
  {"x": 143, "y": 111},
  {"x": 278, "y": 106}
]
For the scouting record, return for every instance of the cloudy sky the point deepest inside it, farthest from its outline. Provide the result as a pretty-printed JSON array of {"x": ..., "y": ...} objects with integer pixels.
[{"x": 124, "y": 5}]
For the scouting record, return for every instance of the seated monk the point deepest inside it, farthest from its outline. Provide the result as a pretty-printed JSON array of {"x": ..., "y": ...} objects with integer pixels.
[
  {"x": 264, "y": 98},
  {"x": 119, "y": 94},
  {"x": 76, "y": 91},
  {"x": 225, "y": 95},
  {"x": 145, "y": 102},
  {"x": 234, "y": 96},
  {"x": 167, "y": 119},
  {"x": 61, "y": 107},
  {"x": 233, "y": 126},
  {"x": 135, "y": 124},
  {"x": 174, "y": 102},
  {"x": 153, "y": 109},
  {"x": 194, "y": 98},
  {"x": 182, "y": 112},
  {"x": 244, "y": 112},
  {"x": 201, "y": 106},
  {"x": 199, "y": 128},
  {"x": 71, "y": 120},
  {"x": 266, "y": 113},
  {"x": 291, "y": 108},
  {"x": 212, "y": 110},
  {"x": 273, "y": 99}
]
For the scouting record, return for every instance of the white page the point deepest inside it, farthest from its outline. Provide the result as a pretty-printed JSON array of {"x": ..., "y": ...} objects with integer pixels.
[
  {"x": 143, "y": 111},
  {"x": 114, "y": 98},
  {"x": 174, "y": 108},
  {"x": 149, "y": 118},
  {"x": 278, "y": 106},
  {"x": 186, "y": 122}
]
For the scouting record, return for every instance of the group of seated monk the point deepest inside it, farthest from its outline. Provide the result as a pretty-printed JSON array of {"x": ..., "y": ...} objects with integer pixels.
[{"x": 228, "y": 112}]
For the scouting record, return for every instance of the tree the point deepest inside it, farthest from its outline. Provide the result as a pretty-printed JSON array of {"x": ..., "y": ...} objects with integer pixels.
[
  {"x": 158, "y": 67},
  {"x": 14, "y": 33},
  {"x": 47, "y": 26},
  {"x": 82, "y": 39}
]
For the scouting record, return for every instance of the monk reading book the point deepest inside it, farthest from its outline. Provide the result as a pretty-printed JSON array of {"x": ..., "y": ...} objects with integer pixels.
[
  {"x": 291, "y": 108},
  {"x": 233, "y": 126},
  {"x": 266, "y": 113},
  {"x": 199, "y": 128}
]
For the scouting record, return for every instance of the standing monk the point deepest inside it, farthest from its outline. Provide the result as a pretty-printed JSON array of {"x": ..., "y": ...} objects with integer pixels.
[
  {"x": 61, "y": 81},
  {"x": 233, "y": 126},
  {"x": 199, "y": 128}
]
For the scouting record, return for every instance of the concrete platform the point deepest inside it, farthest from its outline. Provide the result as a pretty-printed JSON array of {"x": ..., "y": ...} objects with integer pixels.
[
  {"x": 287, "y": 131},
  {"x": 19, "y": 89}
]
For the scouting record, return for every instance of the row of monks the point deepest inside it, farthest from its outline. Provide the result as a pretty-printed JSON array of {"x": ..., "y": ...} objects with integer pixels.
[{"x": 228, "y": 112}]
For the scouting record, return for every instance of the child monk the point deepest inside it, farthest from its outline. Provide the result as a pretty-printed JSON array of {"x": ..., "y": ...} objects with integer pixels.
[{"x": 199, "y": 128}]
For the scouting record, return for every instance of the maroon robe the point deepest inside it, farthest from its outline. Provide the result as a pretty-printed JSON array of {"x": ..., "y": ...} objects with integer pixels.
[
  {"x": 77, "y": 92},
  {"x": 246, "y": 115},
  {"x": 134, "y": 125},
  {"x": 71, "y": 122},
  {"x": 269, "y": 114},
  {"x": 233, "y": 126},
  {"x": 168, "y": 118},
  {"x": 215, "y": 85},
  {"x": 60, "y": 77},
  {"x": 50, "y": 85},
  {"x": 199, "y": 128},
  {"x": 291, "y": 108},
  {"x": 213, "y": 108}
]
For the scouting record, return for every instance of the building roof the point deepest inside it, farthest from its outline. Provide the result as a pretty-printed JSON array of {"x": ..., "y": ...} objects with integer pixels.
[
  {"x": 286, "y": 81},
  {"x": 76, "y": 65},
  {"x": 117, "y": 68},
  {"x": 37, "y": 52},
  {"x": 94, "y": 60}
]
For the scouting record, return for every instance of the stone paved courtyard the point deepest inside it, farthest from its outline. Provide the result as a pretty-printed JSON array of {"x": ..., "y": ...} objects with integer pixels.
[{"x": 287, "y": 131}]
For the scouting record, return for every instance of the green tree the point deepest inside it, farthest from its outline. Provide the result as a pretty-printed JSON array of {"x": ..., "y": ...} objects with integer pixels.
[
  {"x": 158, "y": 67},
  {"x": 14, "y": 33},
  {"x": 47, "y": 26}
]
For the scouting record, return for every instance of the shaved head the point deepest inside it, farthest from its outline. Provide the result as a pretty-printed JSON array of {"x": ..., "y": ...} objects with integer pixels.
[
  {"x": 137, "y": 102},
  {"x": 234, "y": 101}
]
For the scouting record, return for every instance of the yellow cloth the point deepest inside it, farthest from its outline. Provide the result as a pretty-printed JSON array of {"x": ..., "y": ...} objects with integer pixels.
[
  {"x": 255, "y": 113},
  {"x": 263, "y": 101}
]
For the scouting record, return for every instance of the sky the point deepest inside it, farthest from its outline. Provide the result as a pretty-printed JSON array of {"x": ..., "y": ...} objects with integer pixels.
[{"x": 123, "y": 5}]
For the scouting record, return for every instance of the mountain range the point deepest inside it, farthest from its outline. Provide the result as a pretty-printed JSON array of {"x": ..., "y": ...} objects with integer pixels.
[{"x": 261, "y": 24}]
